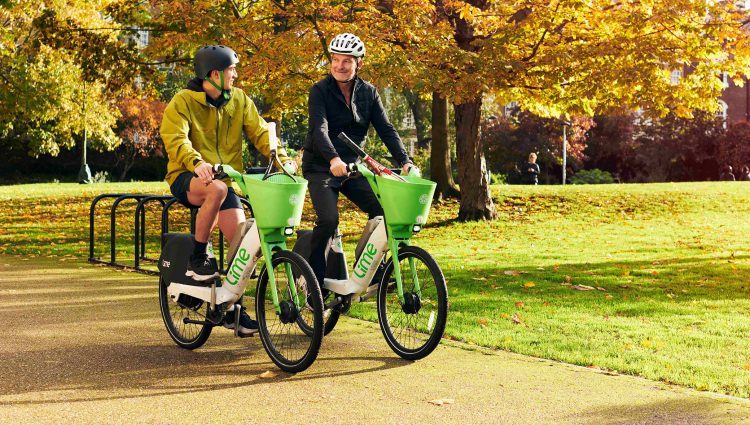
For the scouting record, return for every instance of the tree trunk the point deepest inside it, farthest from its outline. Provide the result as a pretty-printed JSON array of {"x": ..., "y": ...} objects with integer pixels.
[
  {"x": 476, "y": 200},
  {"x": 440, "y": 153},
  {"x": 418, "y": 110}
]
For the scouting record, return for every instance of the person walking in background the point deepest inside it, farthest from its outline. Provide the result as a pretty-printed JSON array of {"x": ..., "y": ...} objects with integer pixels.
[
  {"x": 745, "y": 176},
  {"x": 726, "y": 174},
  {"x": 531, "y": 170}
]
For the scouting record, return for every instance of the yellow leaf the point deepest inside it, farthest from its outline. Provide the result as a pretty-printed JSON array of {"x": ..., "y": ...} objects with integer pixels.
[
  {"x": 646, "y": 343},
  {"x": 442, "y": 401},
  {"x": 268, "y": 374},
  {"x": 519, "y": 304},
  {"x": 504, "y": 315},
  {"x": 529, "y": 285}
]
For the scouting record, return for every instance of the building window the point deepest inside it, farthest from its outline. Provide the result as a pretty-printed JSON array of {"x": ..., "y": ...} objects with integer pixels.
[
  {"x": 675, "y": 77},
  {"x": 141, "y": 38},
  {"x": 725, "y": 79},
  {"x": 723, "y": 112}
]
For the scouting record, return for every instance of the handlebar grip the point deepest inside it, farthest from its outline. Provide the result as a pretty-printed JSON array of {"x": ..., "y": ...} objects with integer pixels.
[
  {"x": 218, "y": 169},
  {"x": 351, "y": 168},
  {"x": 353, "y": 146}
]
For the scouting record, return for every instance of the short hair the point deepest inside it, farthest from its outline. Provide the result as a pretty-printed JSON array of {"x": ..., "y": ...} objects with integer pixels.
[{"x": 532, "y": 155}]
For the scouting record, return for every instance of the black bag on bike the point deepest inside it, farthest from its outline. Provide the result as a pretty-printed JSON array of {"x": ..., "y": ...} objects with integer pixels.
[{"x": 175, "y": 254}]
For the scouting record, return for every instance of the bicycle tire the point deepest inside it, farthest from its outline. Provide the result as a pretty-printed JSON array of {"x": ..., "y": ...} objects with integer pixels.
[
  {"x": 281, "y": 333},
  {"x": 401, "y": 324},
  {"x": 186, "y": 335}
]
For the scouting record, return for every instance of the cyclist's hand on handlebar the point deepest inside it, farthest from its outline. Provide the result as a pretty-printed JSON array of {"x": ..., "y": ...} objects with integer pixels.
[
  {"x": 290, "y": 167},
  {"x": 410, "y": 170},
  {"x": 338, "y": 167},
  {"x": 205, "y": 172}
]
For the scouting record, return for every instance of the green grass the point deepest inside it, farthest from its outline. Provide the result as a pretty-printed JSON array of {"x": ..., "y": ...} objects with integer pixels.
[{"x": 669, "y": 264}]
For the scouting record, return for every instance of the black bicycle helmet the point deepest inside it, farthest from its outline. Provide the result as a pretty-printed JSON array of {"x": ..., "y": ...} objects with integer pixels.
[{"x": 208, "y": 58}]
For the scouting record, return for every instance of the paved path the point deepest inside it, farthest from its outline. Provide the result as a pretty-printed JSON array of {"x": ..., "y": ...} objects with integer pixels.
[{"x": 85, "y": 344}]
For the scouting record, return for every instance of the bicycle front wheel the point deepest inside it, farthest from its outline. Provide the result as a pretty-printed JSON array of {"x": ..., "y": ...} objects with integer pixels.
[
  {"x": 174, "y": 313},
  {"x": 289, "y": 346},
  {"x": 413, "y": 328}
]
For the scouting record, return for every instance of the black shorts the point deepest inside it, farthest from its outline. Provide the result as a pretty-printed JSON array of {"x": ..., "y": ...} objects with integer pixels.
[{"x": 181, "y": 187}]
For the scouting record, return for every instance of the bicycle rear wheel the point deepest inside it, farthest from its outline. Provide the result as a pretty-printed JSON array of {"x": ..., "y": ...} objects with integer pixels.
[
  {"x": 413, "y": 328},
  {"x": 289, "y": 346},
  {"x": 186, "y": 335}
]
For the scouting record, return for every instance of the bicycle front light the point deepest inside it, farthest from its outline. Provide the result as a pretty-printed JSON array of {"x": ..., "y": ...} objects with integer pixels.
[
  {"x": 416, "y": 228},
  {"x": 288, "y": 231}
]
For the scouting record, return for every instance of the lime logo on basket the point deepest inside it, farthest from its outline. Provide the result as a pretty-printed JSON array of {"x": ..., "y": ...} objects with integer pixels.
[
  {"x": 294, "y": 199},
  {"x": 424, "y": 199}
]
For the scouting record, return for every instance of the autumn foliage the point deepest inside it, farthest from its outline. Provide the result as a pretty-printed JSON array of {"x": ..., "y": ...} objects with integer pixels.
[{"x": 139, "y": 131}]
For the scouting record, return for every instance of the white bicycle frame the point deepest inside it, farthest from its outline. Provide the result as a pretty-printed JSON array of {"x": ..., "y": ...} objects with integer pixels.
[
  {"x": 372, "y": 254},
  {"x": 242, "y": 264}
]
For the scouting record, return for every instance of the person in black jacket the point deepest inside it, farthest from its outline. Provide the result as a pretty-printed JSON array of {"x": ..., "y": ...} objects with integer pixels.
[
  {"x": 342, "y": 102},
  {"x": 531, "y": 170}
]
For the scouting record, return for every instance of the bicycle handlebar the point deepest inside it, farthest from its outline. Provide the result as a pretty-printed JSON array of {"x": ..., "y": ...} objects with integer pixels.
[{"x": 353, "y": 146}]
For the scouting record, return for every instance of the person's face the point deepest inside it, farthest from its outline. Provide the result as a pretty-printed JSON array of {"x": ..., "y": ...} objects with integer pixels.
[
  {"x": 230, "y": 74},
  {"x": 343, "y": 67}
]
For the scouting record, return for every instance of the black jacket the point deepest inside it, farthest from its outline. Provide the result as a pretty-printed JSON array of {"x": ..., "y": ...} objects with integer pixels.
[{"x": 330, "y": 115}]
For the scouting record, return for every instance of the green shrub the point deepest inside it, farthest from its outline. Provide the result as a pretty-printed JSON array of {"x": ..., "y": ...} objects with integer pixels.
[{"x": 595, "y": 176}]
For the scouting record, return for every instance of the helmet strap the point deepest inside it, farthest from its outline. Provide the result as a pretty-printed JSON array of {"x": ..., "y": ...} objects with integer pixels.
[{"x": 221, "y": 90}]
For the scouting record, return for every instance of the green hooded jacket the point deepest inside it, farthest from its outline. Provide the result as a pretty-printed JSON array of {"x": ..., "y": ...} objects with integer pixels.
[{"x": 194, "y": 131}]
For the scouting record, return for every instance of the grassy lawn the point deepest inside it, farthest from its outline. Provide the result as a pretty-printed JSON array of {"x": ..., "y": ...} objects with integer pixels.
[{"x": 649, "y": 280}]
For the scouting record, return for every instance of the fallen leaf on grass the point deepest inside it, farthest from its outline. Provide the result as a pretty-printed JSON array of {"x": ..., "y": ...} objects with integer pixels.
[
  {"x": 654, "y": 273},
  {"x": 483, "y": 322},
  {"x": 268, "y": 374},
  {"x": 529, "y": 285},
  {"x": 519, "y": 304},
  {"x": 479, "y": 278},
  {"x": 514, "y": 272},
  {"x": 599, "y": 288},
  {"x": 746, "y": 367},
  {"x": 517, "y": 319},
  {"x": 608, "y": 296},
  {"x": 583, "y": 288},
  {"x": 624, "y": 286},
  {"x": 504, "y": 315},
  {"x": 568, "y": 279},
  {"x": 442, "y": 401}
]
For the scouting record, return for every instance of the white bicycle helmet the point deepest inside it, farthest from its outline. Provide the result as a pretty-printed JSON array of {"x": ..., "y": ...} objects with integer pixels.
[{"x": 347, "y": 44}]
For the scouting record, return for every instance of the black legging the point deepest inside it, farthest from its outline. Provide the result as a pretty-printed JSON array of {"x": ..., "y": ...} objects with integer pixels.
[{"x": 324, "y": 193}]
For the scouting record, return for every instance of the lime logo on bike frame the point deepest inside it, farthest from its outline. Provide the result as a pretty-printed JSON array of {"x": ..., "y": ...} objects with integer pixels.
[
  {"x": 364, "y": 262},
  {"x": 238, "y": 265}
]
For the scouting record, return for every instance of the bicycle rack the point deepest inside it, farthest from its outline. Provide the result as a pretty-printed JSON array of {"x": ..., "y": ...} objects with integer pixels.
[{"x": 139, "y": 239}]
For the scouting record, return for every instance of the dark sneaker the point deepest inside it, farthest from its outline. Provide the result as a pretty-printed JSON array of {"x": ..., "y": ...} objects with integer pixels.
[
  {"x": 200, "y": 269},
  {"x": 248, "y": 326}
]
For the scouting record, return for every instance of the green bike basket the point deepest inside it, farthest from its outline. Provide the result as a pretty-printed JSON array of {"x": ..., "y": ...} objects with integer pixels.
[
  {"x": 276, "y": 203},
  {"x": 406, "y": 203}
]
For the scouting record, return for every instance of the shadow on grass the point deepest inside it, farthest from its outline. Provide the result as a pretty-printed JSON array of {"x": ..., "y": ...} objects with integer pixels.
[{"x": 673, "y": 280}]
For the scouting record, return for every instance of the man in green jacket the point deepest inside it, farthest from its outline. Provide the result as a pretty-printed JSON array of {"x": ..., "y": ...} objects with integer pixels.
[{"x": 203, "y": 126}]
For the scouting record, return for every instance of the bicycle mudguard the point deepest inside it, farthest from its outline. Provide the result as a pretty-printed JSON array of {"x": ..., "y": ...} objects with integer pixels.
[{"x": 175, "y": 254}]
